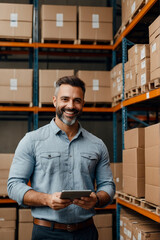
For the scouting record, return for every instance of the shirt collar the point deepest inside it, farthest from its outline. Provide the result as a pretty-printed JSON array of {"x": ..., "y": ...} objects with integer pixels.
[{"x": 56, "y": 129}]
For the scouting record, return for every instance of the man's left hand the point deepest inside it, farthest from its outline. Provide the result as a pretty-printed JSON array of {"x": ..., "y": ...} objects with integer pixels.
[{"x": 86, "y": 202}]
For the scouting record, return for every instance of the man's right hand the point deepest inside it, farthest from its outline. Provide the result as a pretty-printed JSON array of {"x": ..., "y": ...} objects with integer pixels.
[{"x": 56, "y": 203}]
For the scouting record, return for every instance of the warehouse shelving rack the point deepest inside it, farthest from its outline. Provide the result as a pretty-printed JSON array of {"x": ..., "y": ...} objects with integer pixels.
[{"x": 35, "y": 46}]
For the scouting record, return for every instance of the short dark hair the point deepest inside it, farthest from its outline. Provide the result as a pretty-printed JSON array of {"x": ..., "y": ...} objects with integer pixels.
[{"x": 70, "y": 80}]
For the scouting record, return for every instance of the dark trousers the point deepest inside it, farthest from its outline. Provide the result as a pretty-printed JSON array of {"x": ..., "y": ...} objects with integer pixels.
[{"x": 46, "y": 233}]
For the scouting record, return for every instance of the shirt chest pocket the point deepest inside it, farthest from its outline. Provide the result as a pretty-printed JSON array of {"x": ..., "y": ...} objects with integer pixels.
[
  {"x": 50, "y": 161},
  {"x": 88, "y": 162}
]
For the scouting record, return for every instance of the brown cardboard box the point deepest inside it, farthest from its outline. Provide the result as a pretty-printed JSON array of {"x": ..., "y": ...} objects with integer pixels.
[
  {"x": 150, "y": 191},
  {"x": 143, "y": 78},
  {"x": 47, "y": 80},
  {"x": 5, "y": 161},
  {"x": 95, "y": 23},
  {"x": 133, "y": 54},
  {"x": 8, "y": 224},
  {"x": 16, "y": 20},
  {"x": 152, "y": 156},
  {"x": 8, "y": 214},
  {"x": 155, "y": 54},
  {"x": 152, "y": 135},
  {"x": 7, "y": 234},
  {"x": 16, "y": 85},
  {"x": 155, "y": 74},
  {"x": 25, "y": 228},
  {"x": 95, "y": 78},
  {"x": 58, "y": 22},
  {"x": 154, "y": 29},
  {"x": 103, "y": 223},
  {"x": 134, "y": 138},
  {"x": 25, "y": 215},
  {"x": 117, "y": 174},
  {"x": 98, "y": 94},
  {"x": 134, "y": 186},
  {"x": 3, "y": 187},
  {"x": 147, "y": 232},
  {"x": 152, "y": 176},
  {"x": 144, "y": 65},
  {"x": 144, "y": 52}
]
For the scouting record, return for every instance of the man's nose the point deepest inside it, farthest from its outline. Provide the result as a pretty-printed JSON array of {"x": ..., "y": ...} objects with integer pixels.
[{"x": 70, "y": 104}]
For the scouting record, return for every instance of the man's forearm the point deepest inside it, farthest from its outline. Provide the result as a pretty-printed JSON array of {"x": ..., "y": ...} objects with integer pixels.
[
  {"x": 33, "y": 198},
  {"x": 103, "y": 198}
]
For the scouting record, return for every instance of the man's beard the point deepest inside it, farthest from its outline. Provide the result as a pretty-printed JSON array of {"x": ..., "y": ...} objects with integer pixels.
[{"x": 70, "y": 122}]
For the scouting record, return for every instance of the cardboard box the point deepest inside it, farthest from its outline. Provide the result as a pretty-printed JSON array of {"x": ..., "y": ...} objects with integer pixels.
[
  {"x": 144, "y": 65},
  {"x": 47, "y": 81},
  {"x": 6, "y": 234},
  {"x": 25, "y": 228},
  {"x": 155, "y": 54},
  {"x": 144, "y": 52},
  {"x": 25, "y": 215},
  {"x": 154, "y": 29},
  {"x": 150, "y": 191},
  {"x": 95, "y": 23},
  {"x": 151, "y": 161},
  {"x": 152, "y": 176},
  {"x": 103, "y": 232},
  {"x": 100, "y": 94},
  {"x": 16, "y": 85},
  {"x": 117, "y": 175},
  {"x": 134, "y": 138},
  {"x": 133, "y": 54},
  {"x": 134, "y": 186},
  {"x": 8, "y": 214},
  {"x": 143, "y": 78},
  {"x": 58, "y": 22},
  {"x": 16, "y": 20},
  {"x": 8, "y": 224},
  {"x": 155, "y": 74},
  {"x": 103, "y": 224},
  {"x": 3, "y": 187},
  {"x": 147, "y": 231},
  {"x": 6, "y": 160},
  {"x": 152, "y": 135},
  {"x": 95, "y": 79}
]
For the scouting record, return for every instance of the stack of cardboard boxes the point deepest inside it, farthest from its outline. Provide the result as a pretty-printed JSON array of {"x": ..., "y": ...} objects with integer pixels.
[
  {"x": 16, "y": 21},
  {"x": 8, "y": 218},
  {"x": 134, "y": 163},
  {"x": 116, "y": 81},
  {"x": 103, "y": 224},
  {"x": 95, "y": 23},
  {"x": 25, "y": 224},
  {"x": 117, "y": 175},
  {"x": 5, "y": 164},
  {"x": 152, "y": 164},
  {"x": 154, "y": 40},
  {"x": 16, "y": 86},
  {"x": 97, "y": 86},
  {"x": 47, "y": 79}
]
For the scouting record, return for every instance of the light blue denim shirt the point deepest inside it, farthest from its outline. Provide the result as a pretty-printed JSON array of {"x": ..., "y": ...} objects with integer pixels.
[{"x": 53, "y": 163}]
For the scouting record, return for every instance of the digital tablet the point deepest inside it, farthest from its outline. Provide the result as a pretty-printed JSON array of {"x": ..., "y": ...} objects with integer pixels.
[{"x": 72, "y": 194}]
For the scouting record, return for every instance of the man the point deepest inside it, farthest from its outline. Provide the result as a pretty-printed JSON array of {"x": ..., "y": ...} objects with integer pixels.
[{"x": 62, "y": 156}]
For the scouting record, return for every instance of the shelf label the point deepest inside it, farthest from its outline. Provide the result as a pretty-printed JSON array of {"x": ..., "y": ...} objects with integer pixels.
[
  {"x": 95, "y": 20},
  {"x": 154, "y": 47},
  {"x": 95, "y": 85},
  {"x": 13, "y": 20},
  {"x": 133, "y": 7},
  {"x": 147, "y": 95},
  {"x": 143, "y": 64},
  {"x": 139, "y": 236},
  {"x": 143, "y": 79},
  {"x": 59, "y": 20},
  {"x": 143, "y": 53},
  {"x": 13, "y": 84}
]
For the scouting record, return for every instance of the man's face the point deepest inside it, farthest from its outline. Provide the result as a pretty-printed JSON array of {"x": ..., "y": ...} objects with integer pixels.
[{"x": 69, "y": 103}]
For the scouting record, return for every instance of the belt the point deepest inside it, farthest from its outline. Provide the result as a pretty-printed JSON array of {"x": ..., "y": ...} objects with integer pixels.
[{"x": 68, "y": 227}]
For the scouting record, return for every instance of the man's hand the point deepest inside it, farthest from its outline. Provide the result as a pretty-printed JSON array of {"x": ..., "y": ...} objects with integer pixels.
[
  {"x": 56, "y": 203},
  {"x": 86, "y": 202}
]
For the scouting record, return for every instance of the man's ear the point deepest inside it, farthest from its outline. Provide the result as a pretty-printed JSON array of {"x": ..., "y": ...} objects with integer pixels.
[{"x": 54, "y": 101}]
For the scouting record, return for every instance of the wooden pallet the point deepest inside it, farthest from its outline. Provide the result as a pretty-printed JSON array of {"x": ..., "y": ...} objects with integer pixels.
[
  {"x": 16, "y": 104},
  {"x": 116, "y": 100},
  {"x": 140, "y": 202},
  {"x": 95, "y": 42},
  {"x": 58, "y": 41},
  {"x": 154, "y": 84},
  {"x": 136, "y": 91}
]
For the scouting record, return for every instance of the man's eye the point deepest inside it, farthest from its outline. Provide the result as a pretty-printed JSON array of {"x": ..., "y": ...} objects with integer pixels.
[{"x": 78, "y": 100}]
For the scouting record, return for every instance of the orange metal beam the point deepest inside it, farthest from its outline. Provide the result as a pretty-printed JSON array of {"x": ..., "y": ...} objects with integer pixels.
[
  {"x": 2, "y": 201},
  {"x": 75, "y": 46},
  {"x": 17, "y": 44},
  {"x": 140, "y": 210},
  {"x": 135, "y": 20},
  {"x": 16, "y": 109},
  {"x": 111, "y": 206}
]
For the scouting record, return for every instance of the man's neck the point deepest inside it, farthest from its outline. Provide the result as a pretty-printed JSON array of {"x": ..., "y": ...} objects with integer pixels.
[{"x": 70, "y": 131}]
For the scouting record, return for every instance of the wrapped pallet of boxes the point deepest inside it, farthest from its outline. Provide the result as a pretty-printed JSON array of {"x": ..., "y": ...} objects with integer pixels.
[
  {"x": 154, "y": 40},
  {"x": 97, "y": 86},
  {"x": 117, "y": 175},
  {"x": 103, "y": 223},
  {"x": 146, "y": 231},
  {"x": 134, "y": 163},
  {"x": 5, "y": 163},
  {"x": 47, "y": 80},
  {"x": 116, "y": 83},
  {"x": 25, "y": 224},
  {"x": 58, "y": 22},
  {"x": 95, "y": 23},
  {"x": 143, "y": 76},
  {"x": 8, "y": 218},
  {"x": 16, "y": 86},
  {"x": 152, "y": 164},
  {"x": 16, "y": 21}
]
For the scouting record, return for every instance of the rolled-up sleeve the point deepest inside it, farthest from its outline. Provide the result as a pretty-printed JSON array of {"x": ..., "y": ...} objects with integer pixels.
[
  {"x": 104, "y": 178},
  {"x": 21, "y": 169}
]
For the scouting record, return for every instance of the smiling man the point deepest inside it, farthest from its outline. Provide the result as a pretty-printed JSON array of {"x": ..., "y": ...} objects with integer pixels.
[{"x": 62, "y": 156}]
